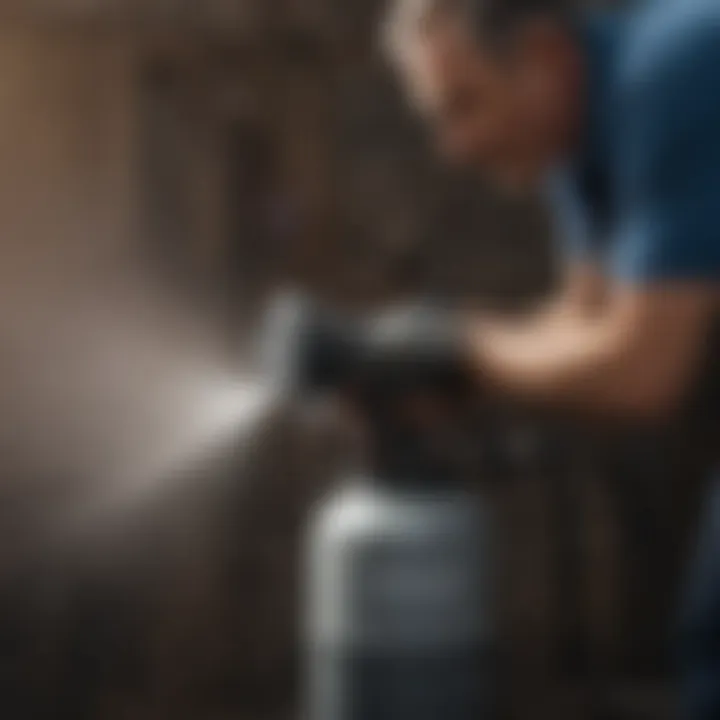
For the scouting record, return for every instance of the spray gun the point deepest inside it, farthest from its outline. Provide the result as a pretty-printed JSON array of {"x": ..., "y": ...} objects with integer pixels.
[
  {"x": 399, "y": 621},
  {"x": 400, "y": 372}
]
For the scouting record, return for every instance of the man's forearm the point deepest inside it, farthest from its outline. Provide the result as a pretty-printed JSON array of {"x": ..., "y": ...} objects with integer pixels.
[{"x": 570, "y": 362}]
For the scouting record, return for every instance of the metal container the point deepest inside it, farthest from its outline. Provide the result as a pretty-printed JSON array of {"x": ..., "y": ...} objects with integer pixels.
[{"x": 399, "y": 620}]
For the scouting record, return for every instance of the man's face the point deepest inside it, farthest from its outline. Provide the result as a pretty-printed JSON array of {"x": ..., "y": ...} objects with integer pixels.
[{"x": 505, "y": 111}]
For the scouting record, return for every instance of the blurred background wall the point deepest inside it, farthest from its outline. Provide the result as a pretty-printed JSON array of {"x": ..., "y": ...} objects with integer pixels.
[{"x": 164, "y": 164}]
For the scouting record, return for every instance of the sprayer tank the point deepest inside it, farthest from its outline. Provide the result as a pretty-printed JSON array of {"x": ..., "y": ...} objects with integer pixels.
[{"x": 399, "y": 607}]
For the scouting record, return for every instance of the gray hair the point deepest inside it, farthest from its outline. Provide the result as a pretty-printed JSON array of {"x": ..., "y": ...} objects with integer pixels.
[{"x": 485, "y": 18}]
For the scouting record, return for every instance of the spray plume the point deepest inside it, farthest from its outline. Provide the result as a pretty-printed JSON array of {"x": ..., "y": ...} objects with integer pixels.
[{"x": 109, "y": 397}]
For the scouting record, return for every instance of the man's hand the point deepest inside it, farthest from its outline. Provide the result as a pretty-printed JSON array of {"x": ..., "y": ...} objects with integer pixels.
[{"x": 635, "y": 357}]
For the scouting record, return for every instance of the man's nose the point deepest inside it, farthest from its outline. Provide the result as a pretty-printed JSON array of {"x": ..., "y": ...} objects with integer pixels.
[{"x": 458, "y": 149}]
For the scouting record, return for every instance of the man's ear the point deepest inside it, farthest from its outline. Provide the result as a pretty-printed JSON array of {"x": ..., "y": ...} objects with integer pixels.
[{"x": 549, "y": 60}]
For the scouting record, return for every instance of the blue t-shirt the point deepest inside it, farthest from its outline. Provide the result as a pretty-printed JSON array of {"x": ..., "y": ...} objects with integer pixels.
[{"x": 642, "y": 196}]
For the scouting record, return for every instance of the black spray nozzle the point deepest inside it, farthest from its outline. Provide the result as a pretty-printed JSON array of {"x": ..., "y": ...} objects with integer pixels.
[{"x": 308, "y": 348}]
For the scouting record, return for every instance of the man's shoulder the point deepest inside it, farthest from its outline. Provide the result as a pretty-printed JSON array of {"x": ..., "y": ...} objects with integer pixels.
[{"x": 670, "y": 46}]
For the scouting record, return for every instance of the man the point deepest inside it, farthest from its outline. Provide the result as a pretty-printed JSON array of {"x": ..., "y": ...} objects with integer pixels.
[{"x": 617, "y": 117}]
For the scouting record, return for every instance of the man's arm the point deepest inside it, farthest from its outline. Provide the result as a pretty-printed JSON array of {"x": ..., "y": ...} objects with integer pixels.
[
  {"x": 639, "y": 352},
  {"x": 635, "y": 356}
]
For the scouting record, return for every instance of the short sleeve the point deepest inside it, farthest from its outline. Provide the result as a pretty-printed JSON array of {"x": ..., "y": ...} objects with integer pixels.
[{"x": 667, "y": 160}]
